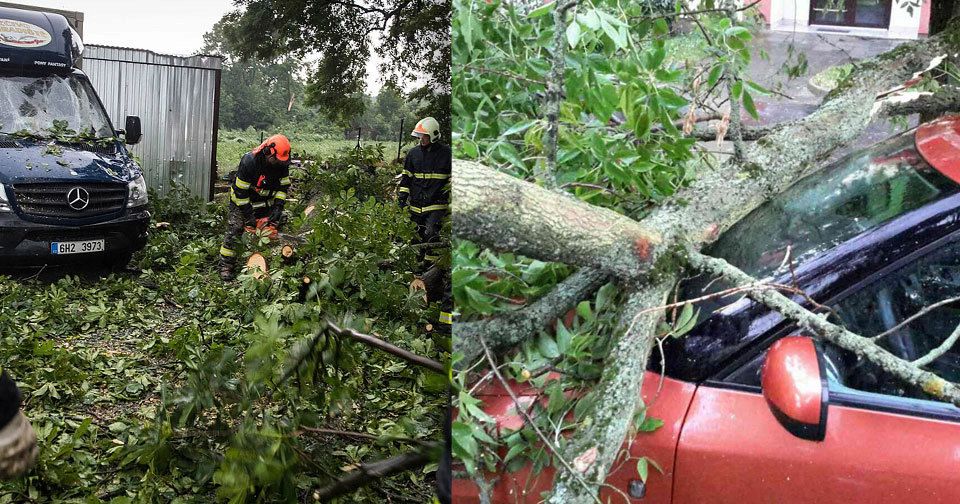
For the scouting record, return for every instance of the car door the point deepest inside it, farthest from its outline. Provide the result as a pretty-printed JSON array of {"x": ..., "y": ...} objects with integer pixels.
[{"x": 884, "y": 442}]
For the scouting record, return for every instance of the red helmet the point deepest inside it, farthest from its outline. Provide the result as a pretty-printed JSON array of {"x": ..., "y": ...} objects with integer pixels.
[{"x": 276, "y": 145}]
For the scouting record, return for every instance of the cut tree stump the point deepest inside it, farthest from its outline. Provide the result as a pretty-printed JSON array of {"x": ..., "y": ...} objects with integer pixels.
[{"x": 257, "y": 266}]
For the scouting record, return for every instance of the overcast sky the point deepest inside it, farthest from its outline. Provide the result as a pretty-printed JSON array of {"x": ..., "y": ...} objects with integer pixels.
[{"x": 164, "y": 26}]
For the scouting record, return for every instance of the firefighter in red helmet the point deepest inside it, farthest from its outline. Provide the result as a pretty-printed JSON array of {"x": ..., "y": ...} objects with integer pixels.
[{"x": 257, "y": 196}]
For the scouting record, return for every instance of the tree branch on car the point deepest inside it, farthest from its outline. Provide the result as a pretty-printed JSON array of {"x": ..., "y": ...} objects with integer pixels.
[
  {"x": 907, "y": 371},
  {"x": 646, "y": 254},
  {"x": 511, "y": 328}
]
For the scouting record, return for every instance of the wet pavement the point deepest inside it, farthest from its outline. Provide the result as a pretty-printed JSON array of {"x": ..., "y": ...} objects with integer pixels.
[{"x": 822, "y": 51}]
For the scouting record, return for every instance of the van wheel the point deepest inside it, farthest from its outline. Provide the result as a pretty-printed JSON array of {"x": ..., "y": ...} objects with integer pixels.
[{"x": 117, "y": 262}]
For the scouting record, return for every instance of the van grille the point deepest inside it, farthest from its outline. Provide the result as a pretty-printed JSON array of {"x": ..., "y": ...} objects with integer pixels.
[{"x": 50, "y": 199}]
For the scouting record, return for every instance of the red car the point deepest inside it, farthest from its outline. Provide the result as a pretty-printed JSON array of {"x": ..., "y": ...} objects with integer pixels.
[{"x": 755, "y": 412}]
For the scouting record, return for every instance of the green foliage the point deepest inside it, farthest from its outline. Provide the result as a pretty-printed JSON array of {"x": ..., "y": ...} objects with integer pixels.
[{"x": 168, "y": 386}]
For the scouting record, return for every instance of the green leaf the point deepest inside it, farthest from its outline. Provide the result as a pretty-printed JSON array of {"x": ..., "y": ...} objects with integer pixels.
[
  {"x": 642, "y": 469},
  {"x": 518, "y": 127},
  {"x": 584, "y": 311},
  {"x": 542, "y": 10},
  {"x": 464, "y": 443},
  {"x": 737, "y": 89},
  {"x": 758, "y": 88},
  {"x": 660, "y": 27},
  {"x": 564, "y": 337},
  {"x": 650, "y": 424},
  {"x": 547, "y": 346},
  {"x": 738, "y": 32},
  {"x": 605, "y": 295},
  {"x": 749, "y": 105},
  {"x": 715, "y": 73},
  {"x": 573, "y": 34},
  {"x": 590, "y": 19},
  {"x": 613, "y": 33}
]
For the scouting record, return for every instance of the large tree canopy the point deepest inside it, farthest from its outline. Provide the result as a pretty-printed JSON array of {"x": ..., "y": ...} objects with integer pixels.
[{"x": 411, "y": 36}]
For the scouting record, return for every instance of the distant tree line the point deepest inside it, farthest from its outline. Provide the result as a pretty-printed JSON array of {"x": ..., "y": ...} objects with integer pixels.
[{"x": 273, "y": 95}]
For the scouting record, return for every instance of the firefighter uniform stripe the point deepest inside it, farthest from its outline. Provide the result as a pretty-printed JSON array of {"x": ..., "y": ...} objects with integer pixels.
[
  {"x": 406, "y": 172},
  {"x": 238, "y": 201},
  {"x": 280, "y": 195},
  {"x": 435, "y": 176},
  {"x": 432, "y": 258},
  {"x": 242, "y": 184},
  {"x": 430, "y": 208},
  {"x": 259, "y": 204},
  {"x": 446, "y": 318},
  {"x": 405, "y": 189},
  {"x": 225, "y": 252}
]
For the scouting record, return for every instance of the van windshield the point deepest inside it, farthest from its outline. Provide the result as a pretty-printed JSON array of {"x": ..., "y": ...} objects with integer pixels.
[{"x": 31, "y": 104}]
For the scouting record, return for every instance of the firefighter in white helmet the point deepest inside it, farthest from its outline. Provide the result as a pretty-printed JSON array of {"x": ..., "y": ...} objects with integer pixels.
[{"x": 425, "y": 191}]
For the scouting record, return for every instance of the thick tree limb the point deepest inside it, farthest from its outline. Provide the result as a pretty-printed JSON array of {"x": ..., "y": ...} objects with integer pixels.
[
  {"x": 504, "y": 331},
  {"x": 747, "y": 133},
  {"x": 506, "y": 213},
  {"x": 616, "y": 398},
  {"x": 905, "y": 370},
  {"x": 944, "y": 100}
]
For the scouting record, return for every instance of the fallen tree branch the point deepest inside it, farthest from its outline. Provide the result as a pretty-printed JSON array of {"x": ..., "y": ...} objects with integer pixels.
[
  {"x": 923, "y": 311},
  {"x": 944, "y": 100},
  {"x": 390, "y": 348},
  {"x": 616, "y": 397},
  {"x": 905, "y": 370},
  {"x": 504, "y": 331},
  {"x": 506, "y": 213},
  {"x": 370, "y": 472},
  {"x": 943, "y": 348}
]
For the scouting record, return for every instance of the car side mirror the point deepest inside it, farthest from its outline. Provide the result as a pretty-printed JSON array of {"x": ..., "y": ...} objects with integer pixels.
[
  {"x": 794, "y": 383},
  {"x": 132, "y": 131}
]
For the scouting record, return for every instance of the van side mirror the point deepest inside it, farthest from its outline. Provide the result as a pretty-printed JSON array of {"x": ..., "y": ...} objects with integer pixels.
[
  {"x": 794, "y": 383},
  {"x": 132, "y": 133}
]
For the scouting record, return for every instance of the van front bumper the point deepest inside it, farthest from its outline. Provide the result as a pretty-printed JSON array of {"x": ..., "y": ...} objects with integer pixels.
[{"x": 24, "y": 243}]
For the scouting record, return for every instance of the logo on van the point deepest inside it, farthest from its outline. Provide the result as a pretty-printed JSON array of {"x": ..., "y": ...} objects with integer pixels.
[
  {"x": 19, "y": 34},
  {"x": 78, "y": 198}
]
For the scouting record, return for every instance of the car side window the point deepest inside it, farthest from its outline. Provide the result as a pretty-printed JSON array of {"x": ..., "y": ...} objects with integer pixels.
[
  {"x": 883, "y": 305},
  {"x": 880, "y": 307}
]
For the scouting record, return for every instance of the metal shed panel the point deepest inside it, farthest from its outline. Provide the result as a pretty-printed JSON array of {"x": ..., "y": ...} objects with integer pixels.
[{"x": 175, "y": 98}]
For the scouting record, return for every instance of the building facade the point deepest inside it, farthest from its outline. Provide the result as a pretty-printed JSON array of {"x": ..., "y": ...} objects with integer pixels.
[{"x": 900, "y": 19}]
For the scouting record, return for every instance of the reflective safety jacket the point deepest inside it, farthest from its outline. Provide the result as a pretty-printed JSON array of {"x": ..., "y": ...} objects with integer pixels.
[
  {"x": 424, "y": 184},
  {"x": 258, "y": 185}
]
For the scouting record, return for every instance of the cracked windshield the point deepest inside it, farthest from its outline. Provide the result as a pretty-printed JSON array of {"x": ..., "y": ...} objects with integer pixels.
[{"x": 30, "y": 105}]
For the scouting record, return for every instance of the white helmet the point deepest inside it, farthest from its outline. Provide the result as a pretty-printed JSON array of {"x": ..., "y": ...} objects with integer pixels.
[{"x": 427, "y": 126}]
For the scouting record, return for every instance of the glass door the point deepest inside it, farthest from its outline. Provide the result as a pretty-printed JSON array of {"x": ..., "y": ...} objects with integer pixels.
[{"x": 863, "y": 13}]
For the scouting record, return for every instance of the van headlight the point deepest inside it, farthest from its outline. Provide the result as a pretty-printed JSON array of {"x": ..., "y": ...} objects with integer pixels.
[
  {"x": 137, "y": 192},
  {"x": 4, "y": 202}
]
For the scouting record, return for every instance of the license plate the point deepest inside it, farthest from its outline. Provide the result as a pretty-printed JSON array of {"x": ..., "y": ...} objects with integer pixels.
[{"x": 76, "y": 247}]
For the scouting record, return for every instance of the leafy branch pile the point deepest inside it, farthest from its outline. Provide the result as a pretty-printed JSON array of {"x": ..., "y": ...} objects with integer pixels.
[{"x": 170, "y": 386}]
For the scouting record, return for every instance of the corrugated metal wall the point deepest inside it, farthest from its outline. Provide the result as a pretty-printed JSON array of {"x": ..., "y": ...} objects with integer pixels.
[{"x": 175, "y": 98}]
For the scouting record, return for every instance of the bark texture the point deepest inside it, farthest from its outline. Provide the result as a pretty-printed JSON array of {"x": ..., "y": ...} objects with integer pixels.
[
  {"x": 507, "y": 330},
  {"x": 616, "y": 399},
  {"x": 505, "y": 213}
]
